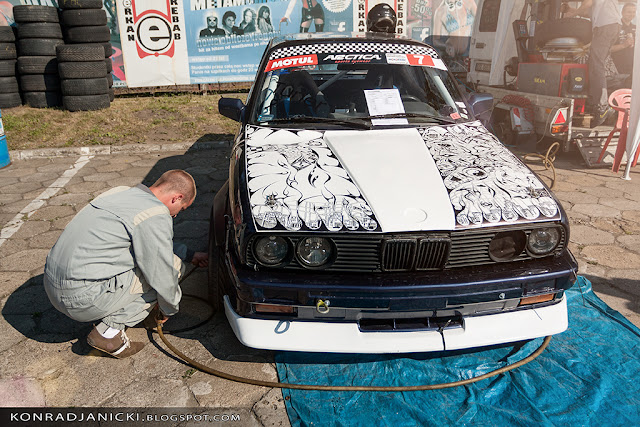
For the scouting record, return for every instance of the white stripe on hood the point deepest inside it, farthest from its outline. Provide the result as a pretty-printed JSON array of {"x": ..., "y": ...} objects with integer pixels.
[{"x": 397, "y": 177}]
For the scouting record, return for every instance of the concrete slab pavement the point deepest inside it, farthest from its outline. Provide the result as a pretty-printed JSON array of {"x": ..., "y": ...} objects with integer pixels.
[
  {"x": 44, "y": 354},
  {"x": 44, "y": 359}
]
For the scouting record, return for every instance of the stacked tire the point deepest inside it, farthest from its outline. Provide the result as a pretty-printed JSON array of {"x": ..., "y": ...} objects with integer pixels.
[
  {"x": 83, "y": 76},
  {"x": 85, "y": 68},
  {"x": 39, "y": 34},
  {"x": 9, "y": 89}
]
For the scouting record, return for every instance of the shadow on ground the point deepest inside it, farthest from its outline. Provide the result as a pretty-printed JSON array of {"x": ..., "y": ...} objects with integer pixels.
[
  {"x": 618, "y": 287},
  {"x": 30, "y": 313}
]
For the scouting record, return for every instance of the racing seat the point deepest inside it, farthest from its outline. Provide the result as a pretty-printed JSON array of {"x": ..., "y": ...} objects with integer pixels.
[
  {"x": 378, "y": 78},
  {"x": 297, "y": 94}
]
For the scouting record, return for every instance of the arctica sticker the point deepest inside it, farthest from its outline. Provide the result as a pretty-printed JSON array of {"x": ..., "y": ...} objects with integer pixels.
[{"x": 352, "y": 58}]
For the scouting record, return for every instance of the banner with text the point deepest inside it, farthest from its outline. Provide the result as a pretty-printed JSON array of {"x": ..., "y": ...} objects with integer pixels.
[{"x": 170, "y": 42}]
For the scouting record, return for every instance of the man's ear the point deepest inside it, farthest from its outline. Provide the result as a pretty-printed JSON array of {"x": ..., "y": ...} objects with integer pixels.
[{"x": 177, "y": 198}]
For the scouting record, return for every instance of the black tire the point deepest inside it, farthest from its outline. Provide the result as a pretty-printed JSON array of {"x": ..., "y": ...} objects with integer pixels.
[
  {"x": 86, "y": 103},
  {"x": 32, "y": 13},
  {"x": 8, "y": 84},
  {"x": 88, "y": 34},
  {"x": 109, "y": 79},
  {"x": 39, "y": 82},
  {"x": 84, "y": 17},
  {"x": 215, "y": 275},
  {"x": 37, "y": 65},
  {"x": 38, "y": 47},
  {"x": 10, "y": 100},
  {"x": 8, "y": 51},
  {"x": 39, "y": 30},
  {"x": 80, "y": 4},
  {"x": 109, "y": 64},
  {"x": 108, "y": 49},
  {"x": 7, "y": 67},
  {"x": 42, "y": 99},
  {"x": 559, "y": 28},
  {"x": 7, "y": 34},
  {"x": 81, "y": 87},
  {"x": 80, "y": 52},
  {"x": 112, "y": 94},
  {"x": 82, "y": 70}
]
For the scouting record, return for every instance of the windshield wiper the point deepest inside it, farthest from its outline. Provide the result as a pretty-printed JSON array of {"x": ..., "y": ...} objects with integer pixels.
[
  {"x": 310, "y": 119},
  {"x": 430, "y": 117}
]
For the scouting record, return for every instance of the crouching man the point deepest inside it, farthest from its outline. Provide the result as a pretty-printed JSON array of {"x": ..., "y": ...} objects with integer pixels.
[{"x": 116, "y": 260}]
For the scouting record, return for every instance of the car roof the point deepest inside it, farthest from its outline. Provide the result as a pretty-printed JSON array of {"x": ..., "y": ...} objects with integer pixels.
[{"x": 342, "y": 37}]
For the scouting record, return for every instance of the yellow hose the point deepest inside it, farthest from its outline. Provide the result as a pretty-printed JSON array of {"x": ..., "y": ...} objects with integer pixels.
[
  {"x": 547, "y": 160},
  {"x": 273, "y": 384}
]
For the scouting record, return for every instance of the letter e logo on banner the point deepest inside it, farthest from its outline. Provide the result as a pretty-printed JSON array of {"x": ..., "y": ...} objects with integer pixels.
[{"x": 154, "y": 35}]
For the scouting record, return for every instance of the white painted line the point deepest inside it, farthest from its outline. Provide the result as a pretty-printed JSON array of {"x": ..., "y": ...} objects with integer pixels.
[{"x": 14, "y": 225}]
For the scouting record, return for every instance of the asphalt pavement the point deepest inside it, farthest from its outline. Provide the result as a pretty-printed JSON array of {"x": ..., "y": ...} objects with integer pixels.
[{"x": 45, "y": 361}]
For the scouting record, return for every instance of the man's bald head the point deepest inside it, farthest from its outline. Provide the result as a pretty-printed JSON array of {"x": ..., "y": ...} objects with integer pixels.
[
  {"x": 176, "y": 189},
  {"x": 177, "y": 181}
]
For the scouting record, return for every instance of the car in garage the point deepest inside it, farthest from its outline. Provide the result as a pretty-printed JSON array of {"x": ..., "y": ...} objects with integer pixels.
[{"x": 368, "y": 209}]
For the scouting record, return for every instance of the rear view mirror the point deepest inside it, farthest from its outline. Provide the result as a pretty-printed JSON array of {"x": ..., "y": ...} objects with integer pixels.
[
  {"x": 232, "y": 108},
  {"x": 481, "y": 106}
]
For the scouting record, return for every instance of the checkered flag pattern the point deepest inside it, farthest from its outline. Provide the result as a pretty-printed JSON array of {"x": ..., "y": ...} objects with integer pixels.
[{"x": 352, "y": 47}]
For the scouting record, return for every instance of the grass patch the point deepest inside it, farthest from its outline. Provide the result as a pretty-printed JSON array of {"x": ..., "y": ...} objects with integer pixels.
[{"x": 164, "y": 118}]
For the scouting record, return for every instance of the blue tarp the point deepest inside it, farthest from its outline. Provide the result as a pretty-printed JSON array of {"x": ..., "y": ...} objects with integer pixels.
[{"x": 589, "y": 375}]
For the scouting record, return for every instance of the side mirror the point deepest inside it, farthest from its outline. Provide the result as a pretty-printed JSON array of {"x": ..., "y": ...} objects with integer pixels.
[
  {"x": 232, "y": 108},
  {"x": 481, "y": 105}
]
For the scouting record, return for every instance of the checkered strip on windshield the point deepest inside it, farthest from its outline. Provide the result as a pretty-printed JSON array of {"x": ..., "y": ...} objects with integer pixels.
[{"x": 308, "y": 49}]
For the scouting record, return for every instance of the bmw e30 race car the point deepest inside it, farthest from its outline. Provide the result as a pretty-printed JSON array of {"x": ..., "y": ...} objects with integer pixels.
[{"x": 368, "y": 210}]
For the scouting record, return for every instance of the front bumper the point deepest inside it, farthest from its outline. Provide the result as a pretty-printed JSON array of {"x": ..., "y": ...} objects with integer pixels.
[
  {"x": 464, "y": 291},
  {"x": 346, "y": 337}
]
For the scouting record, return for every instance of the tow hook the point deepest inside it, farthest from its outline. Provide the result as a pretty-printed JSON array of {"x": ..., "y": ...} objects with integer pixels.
[{"x": 322, "y": 306}]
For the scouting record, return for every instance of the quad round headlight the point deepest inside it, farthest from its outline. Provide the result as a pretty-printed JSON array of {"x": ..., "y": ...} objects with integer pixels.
[
  {"x": 271, "y": 250},
  {"x": 543, "y": 240},
  {"x": 314, "y": 251},
  {"x": 507, "y": 245}
]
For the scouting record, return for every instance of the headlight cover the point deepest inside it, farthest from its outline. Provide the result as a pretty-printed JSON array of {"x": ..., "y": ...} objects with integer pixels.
[
  {"x": 507, "y": 245},
  {"x": 314, "y": 251},
  {"x": 543, "y": 241},
  {"x": 271, "y": 250}
]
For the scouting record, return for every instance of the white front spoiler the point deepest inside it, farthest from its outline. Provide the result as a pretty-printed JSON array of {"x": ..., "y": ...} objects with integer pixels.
[{"x": 318, "y": 336}]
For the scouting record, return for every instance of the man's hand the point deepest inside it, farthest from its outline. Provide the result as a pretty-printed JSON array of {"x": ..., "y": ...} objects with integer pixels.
[
  {"x": 200, "y": 259},
  {"x": 158, "y": 315},
  {"x": 629, "y": 41}
]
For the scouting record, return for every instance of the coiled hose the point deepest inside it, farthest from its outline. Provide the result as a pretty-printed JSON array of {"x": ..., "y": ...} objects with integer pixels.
[
  {"x": 547, "y": 160},
  {"x": 273, "y": 384}
]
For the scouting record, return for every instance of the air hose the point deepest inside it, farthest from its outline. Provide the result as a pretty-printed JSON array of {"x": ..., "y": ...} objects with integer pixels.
[
  {"x": 273, "y": 384},
  {"x": 547, "y": 160}
]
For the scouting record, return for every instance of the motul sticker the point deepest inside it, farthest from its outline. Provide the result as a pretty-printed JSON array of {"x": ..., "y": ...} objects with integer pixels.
[{"x": 293, "y": 61}]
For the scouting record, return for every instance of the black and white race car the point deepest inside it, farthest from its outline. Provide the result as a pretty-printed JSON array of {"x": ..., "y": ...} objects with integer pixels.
[{"x": 368, "y": 210}]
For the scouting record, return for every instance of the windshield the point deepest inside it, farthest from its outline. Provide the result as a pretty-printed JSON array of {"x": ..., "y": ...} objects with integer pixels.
[{"x": 380, "y": 85}]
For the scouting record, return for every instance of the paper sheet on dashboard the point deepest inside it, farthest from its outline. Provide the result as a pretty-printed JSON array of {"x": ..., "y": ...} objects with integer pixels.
[{"x": 385, "y": 101}]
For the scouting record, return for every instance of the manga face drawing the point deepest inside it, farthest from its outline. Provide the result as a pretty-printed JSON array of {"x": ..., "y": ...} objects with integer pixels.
[
  {"x": 486, "y": 182},
  {"x": 295, "y": 182}
]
